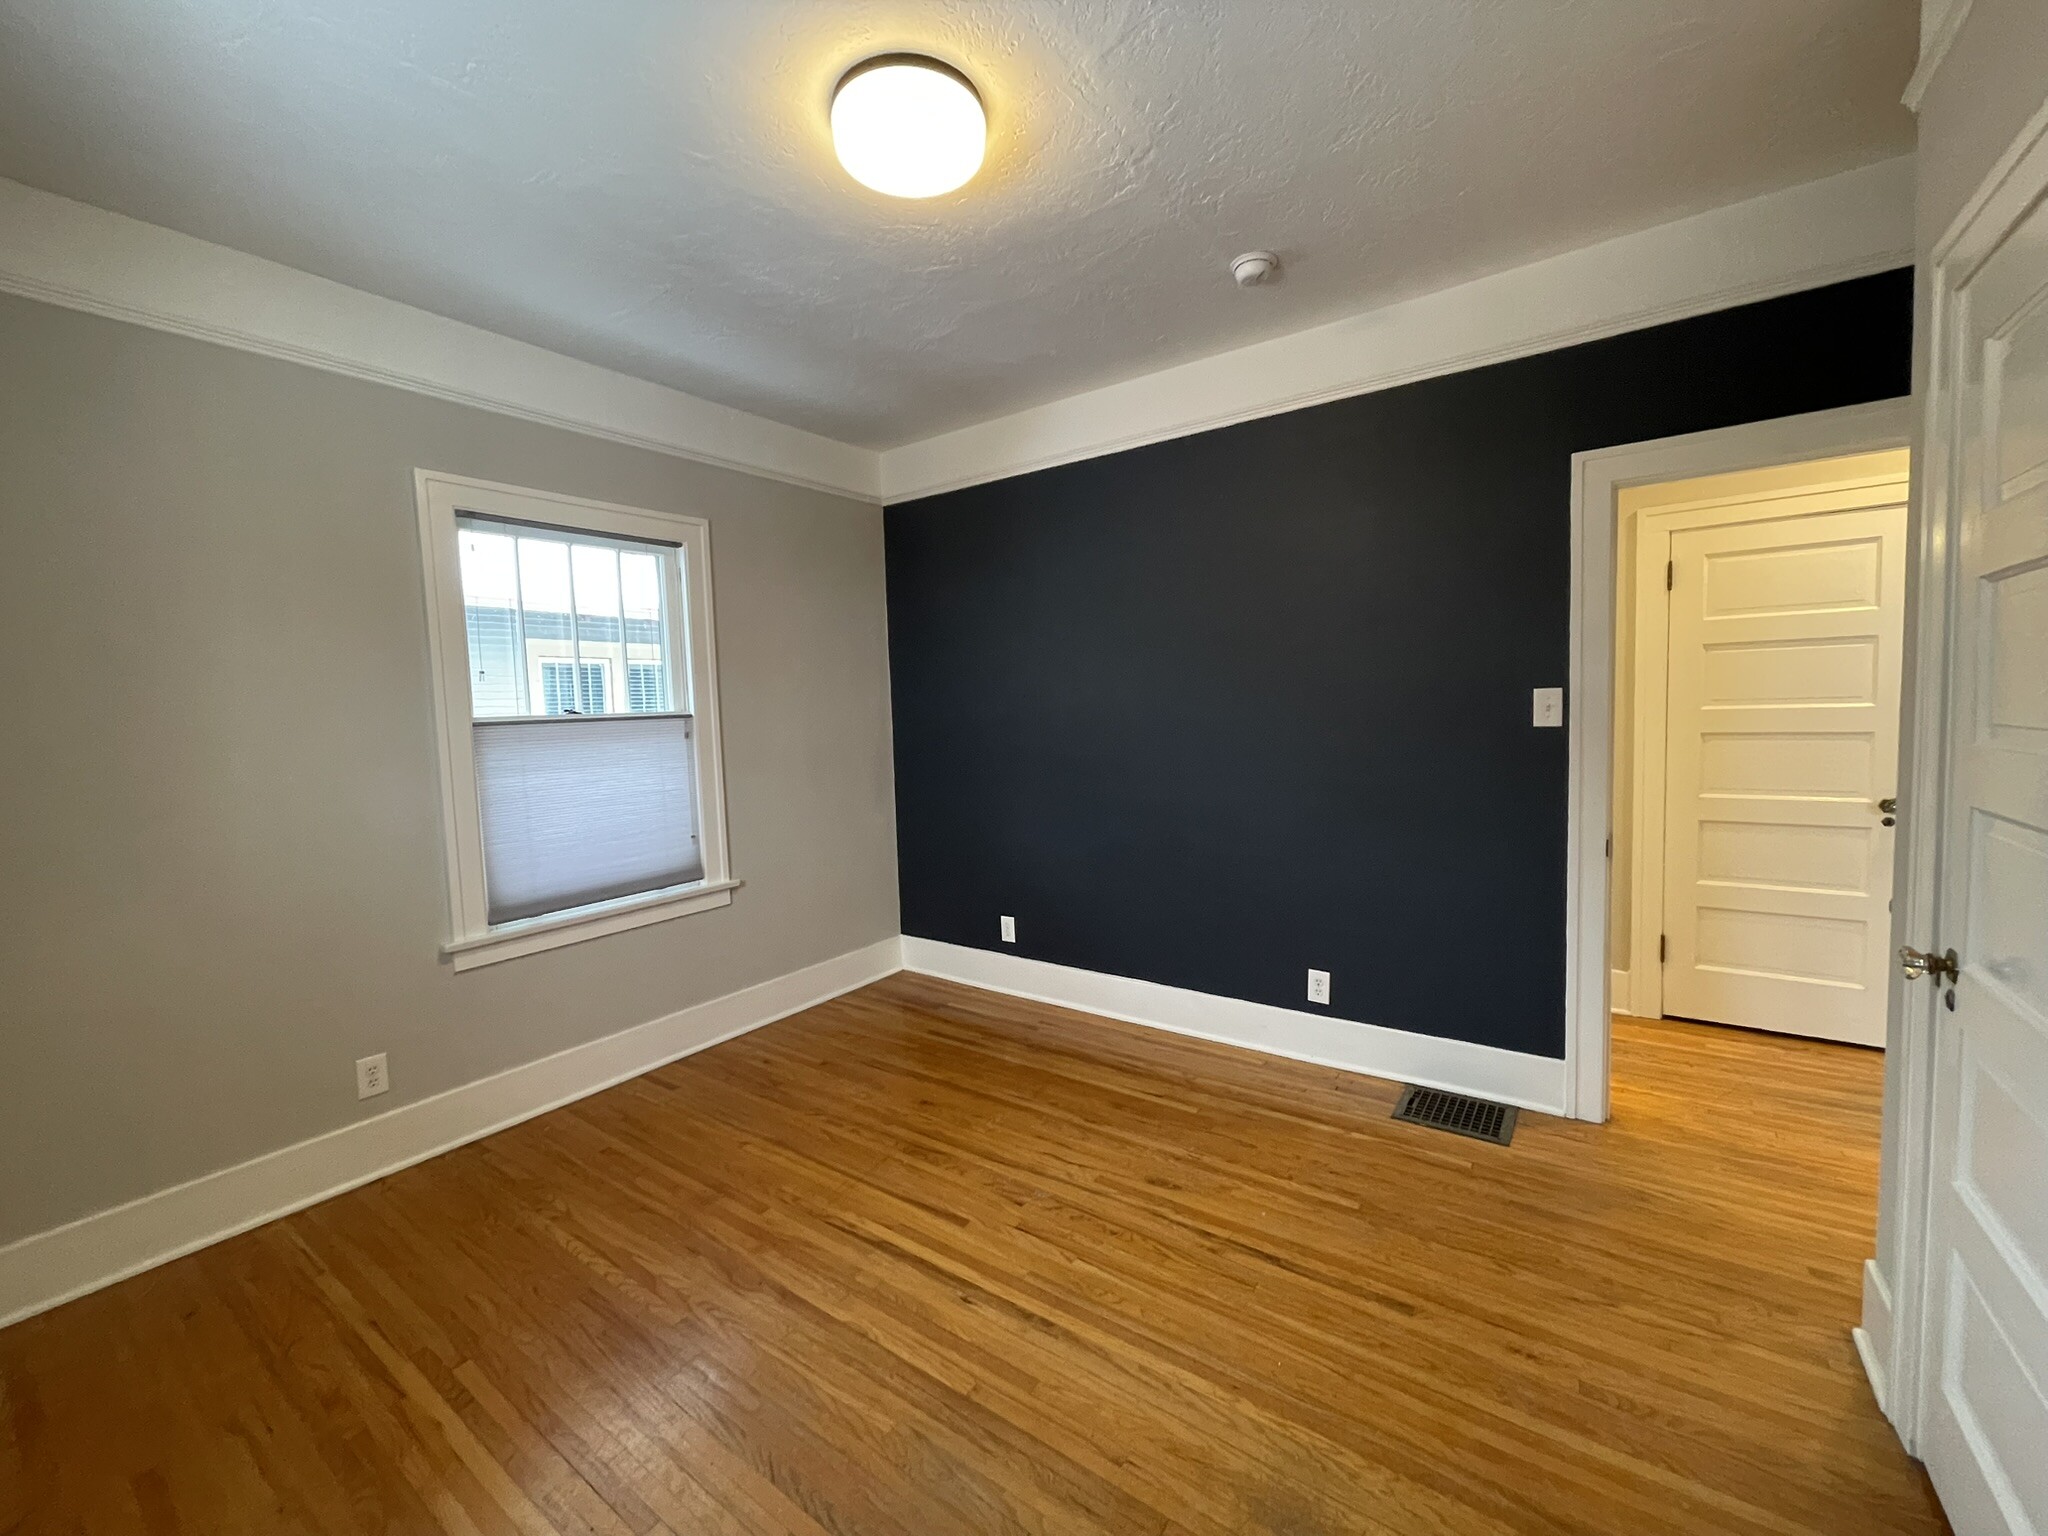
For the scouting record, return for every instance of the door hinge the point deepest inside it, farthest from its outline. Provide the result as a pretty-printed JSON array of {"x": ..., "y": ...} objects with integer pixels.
[
  {"x": 1670, "y": 575},
  {"x": 1610, "y": 845},
  {"x": 1663, "y": 947}
]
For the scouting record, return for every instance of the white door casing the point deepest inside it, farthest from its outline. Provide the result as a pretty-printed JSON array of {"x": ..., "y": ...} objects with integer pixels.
[
  {"x": 1983, "y": 1409},
  {"x": 1782, "y": 725},
  {"x": 1599, "y": 476}
]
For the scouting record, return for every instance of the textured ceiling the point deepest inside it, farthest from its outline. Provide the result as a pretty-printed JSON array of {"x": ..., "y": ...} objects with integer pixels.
[{"x": 649, "y": 184}]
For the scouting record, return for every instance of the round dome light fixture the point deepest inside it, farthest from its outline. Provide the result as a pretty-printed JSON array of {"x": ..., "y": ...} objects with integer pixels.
[{"x": 908, "y": 125}]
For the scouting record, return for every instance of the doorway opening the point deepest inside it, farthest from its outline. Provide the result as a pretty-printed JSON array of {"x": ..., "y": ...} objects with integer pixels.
[
  {"x": 1768, "y": 551},
  {"x": 1759, "y": 631},
  {"x": 1759, "y": 623},
  {"x": 1739, "y": 604}
]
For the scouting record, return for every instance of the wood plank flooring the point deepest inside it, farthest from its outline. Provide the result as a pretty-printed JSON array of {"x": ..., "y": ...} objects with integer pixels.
[{"x": 926, "y": 1260}]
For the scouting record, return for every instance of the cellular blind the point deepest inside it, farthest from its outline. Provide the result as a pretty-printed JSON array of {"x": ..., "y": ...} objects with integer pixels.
[{"x": 579, "y": 809}]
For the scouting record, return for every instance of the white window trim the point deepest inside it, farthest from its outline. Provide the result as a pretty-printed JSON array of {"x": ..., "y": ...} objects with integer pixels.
[{"x": 473, "y": 941}]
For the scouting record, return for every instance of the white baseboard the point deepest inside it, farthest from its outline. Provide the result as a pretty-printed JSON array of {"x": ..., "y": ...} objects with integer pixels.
[
  {"x": 42, "y": 1270},
  {"x": 1532, "y": 1082},
  {"x": 1874, "y": 1337},
  {"x": 1619, "y": 992}
]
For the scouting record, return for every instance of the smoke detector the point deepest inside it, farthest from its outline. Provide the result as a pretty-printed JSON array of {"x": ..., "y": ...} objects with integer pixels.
[{"x": 1254, "y": 268}]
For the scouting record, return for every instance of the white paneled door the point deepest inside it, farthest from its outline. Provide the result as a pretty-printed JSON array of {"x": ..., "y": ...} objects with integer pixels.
[
  {"x": 1984, "y": 1393},
  {"x": 1781, "y": 751}
]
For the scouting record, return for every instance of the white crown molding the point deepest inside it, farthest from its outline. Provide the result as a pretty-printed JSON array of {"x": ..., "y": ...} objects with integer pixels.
[
  {"x": 86, "y": 258},
  {"x": 40, "y": 1271},
  {"x": 1512, "y": 1077},
  {"x": 67, "y": 253},
  {"x": 1844, "y": 226},
  {"x": 1941, "y": 22}
]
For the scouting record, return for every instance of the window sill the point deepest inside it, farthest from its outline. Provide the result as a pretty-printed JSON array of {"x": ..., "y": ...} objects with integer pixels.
[{"x": 511, "y": 940}]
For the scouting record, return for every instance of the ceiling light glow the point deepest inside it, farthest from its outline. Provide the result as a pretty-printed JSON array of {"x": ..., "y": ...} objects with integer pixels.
[{"x": 908, "y": 126}]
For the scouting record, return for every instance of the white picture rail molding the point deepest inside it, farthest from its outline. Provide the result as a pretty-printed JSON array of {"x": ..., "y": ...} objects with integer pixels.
[
  {"x": 85, "y": 258},
  {"x": 1845, "y": 226}
]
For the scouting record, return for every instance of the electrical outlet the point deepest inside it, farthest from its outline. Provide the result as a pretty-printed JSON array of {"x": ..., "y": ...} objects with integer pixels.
[
  {"x": 1319, "y": 986},
  {"x": 1009, "y": 930},
  {"x": 372, "y": 1077}
]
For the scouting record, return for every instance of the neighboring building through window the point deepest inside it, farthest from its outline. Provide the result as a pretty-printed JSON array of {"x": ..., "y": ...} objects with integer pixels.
[
  {"x": 560, "y": 694},
  {"x": 555, "y": 622},
  {"x": 646, "y": 687}
]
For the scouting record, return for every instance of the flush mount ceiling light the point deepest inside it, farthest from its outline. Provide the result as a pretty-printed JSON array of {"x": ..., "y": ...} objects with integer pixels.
[{"x": 908, "y": 125}]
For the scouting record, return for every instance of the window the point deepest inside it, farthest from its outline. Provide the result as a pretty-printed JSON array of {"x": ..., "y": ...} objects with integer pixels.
[
  {"x": 573, "y": 658},
  {"x": 646, "y": 687}
]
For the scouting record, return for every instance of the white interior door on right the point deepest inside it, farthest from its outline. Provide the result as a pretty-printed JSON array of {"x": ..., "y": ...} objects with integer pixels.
[
  {"x": 1781, "y": 751},
  {"x": 1984, "y": 1392}
]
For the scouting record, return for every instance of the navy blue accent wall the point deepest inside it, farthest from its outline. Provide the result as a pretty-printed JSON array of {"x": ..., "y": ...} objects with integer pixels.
[{"x": 1217, "y": 710}]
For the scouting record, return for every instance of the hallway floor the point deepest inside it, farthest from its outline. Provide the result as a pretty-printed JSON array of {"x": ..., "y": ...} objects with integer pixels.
[{"x": 929, "y": 1260}]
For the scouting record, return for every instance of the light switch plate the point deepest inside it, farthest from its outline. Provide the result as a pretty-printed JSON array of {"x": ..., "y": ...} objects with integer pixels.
[{"x": 1547, "y": 707}]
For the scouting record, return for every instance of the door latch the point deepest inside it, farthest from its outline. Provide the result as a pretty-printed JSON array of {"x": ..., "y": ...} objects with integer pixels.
[
  {"x": 1888, "y": 808},
  {"x": 1915, "y": 963}
]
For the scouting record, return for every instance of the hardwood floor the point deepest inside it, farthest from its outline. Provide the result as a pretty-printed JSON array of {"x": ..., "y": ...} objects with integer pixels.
[{"x": 928, "y": 1260}]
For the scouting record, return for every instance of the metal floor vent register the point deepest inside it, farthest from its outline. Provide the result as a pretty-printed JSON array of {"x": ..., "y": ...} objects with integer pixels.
[{"x": 1455, "y": 1113}]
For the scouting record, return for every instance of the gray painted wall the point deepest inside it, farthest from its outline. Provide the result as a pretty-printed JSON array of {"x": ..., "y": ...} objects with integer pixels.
[{"x": 220, "y": 851}]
